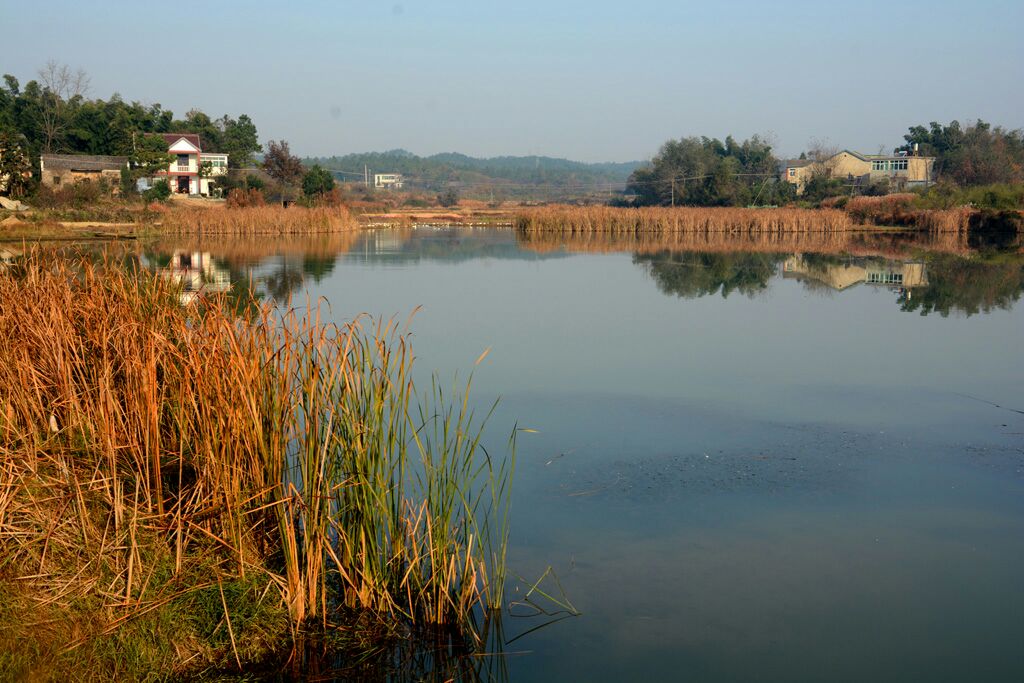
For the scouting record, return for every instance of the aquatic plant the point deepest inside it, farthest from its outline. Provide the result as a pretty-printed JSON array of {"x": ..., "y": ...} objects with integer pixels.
[
  {"x": 151, "y": 453},
  {"x": 258, "y": 220},
  {"x": 659, "y": 220}
]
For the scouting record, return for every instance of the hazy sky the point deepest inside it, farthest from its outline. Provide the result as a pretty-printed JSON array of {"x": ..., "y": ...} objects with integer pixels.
[{"x": 590, "y": 80}]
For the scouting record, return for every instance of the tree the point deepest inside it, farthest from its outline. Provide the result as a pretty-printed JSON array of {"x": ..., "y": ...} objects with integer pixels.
[
  {"x": 15, "y": 169},
  {"x": 281, "y": 164},
  {"x": 239, "y": 140},
  {"x": 705, "y": 171},
  {"x": 317, "y": 182},
  {"x": 62, "y": 90},
  {"x": 448, "y": 198},
  {"x": 149, "y": 155},
  {"x": 975, "y": 154}
]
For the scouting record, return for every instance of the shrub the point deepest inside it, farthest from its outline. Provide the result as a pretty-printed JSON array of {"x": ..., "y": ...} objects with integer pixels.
[
  {"x": 448, "y": 198},
  {"x": 160, "y": 191},
  {"x": 241, "y": 198}
]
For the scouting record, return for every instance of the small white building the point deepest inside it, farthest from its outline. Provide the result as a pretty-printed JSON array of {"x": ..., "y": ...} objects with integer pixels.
[
  {"x": 386, "y": 181},
  {"x": 183, "y": 173}
]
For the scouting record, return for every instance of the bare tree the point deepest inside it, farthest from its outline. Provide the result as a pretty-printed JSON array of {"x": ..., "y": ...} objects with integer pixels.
[
  {"x": 62, "y": 86},
  {"x": 823, "y": 156}
]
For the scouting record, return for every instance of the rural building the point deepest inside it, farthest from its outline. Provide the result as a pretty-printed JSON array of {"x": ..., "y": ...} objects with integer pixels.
[
  {"x": 57, "y": 170},
  {"x": 183, "y": 172},
  {"x": 388, "y": 180},
  {"x": 901, "y": 170}
]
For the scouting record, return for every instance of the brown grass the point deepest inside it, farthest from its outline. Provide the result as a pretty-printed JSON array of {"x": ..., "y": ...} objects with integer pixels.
[
  {"x": 661, "y": 220},
  {"x": 149, "y": 452},
  {"x": 258, "y": 220},
  {"x": 898, "y": 210},
  {"x": 892, "y": 210}
]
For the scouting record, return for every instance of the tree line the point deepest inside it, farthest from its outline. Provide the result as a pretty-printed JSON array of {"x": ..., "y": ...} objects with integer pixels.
[
  {"x": 702, "y": 171},
  {"x": 53, "y": 113}
]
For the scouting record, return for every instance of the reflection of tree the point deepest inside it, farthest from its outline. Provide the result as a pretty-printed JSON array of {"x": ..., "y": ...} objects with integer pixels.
[
  {"x": 967, "y": 285},
  {"x": 284, "y": 279},
  {"x": 318, "y": 266},
  {"x": 695, "y": 274}
]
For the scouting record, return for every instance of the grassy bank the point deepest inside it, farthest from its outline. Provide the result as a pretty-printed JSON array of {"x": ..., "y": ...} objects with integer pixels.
[{"x": 185, "y": 489}]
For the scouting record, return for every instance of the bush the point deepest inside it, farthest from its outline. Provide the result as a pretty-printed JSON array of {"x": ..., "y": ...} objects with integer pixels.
[
  {"x": 448, "y": 198},
  {"x": 241, "y": 199},
  {"x": 317, "y": 182},
  {"x": 159, "y": 192}
]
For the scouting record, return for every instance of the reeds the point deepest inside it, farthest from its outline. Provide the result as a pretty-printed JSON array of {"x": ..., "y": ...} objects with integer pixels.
[
  {"x": 142, "y": 443},
  {"x": 900, "y": 210},
  {"x": 663, "y": 220},
  {"x": 258, "y": 220},
  {"x": 658, "y": 222}
]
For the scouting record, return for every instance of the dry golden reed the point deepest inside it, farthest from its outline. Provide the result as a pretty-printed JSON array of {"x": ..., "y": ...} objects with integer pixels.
[
  {"x": 259, "y": 220},
  {"x": 147, "y": 449},
  {"x": 892, "y": 210}
]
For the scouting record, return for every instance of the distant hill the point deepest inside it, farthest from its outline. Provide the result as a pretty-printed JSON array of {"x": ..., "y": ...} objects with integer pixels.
[{"x": 535, "y": 176}]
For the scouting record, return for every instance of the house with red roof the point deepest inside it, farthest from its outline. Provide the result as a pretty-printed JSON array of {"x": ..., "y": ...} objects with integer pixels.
[{"x": 192, "y": 169}]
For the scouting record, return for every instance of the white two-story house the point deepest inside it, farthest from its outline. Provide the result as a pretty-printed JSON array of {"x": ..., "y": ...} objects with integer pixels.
[{"x": 183, "y": 174}]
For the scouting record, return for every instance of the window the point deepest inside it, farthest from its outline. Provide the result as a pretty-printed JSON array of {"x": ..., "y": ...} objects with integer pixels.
[
  {"x": 56, "y": 180},
  {"x": 792, "y": 173}
]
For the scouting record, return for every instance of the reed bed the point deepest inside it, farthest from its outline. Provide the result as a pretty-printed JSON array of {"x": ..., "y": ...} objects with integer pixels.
[
  {"x": 259, "y": 220},
  {"x": 252, "y": 248},
  {"x": 899, "y": 210},
  {"x": 662, "y": 220},
  {"x": 150, "y": 453}
]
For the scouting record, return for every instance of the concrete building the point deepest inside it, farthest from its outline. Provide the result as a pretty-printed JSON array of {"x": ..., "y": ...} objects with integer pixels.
[
  {"x": 58, "y": 170},
  {"x": 183, "y": 173},
  {"x": 903, "y": 171},
  {"x": 384, "y": 181}
]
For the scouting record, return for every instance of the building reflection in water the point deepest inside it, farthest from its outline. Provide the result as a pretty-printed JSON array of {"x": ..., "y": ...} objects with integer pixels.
[
  {"x": 841, "y": 274},
  {"x": 196, "y": 273}
]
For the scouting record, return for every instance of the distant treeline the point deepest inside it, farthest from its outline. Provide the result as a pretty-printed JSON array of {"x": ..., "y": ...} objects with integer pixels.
[
  {"x": 54, "y": 114},
  {"x": 502, "y": 176},
  {"x": 702, "y": 171}
]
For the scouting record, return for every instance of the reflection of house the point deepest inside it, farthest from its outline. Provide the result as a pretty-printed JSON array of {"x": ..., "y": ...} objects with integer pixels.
[
  {"x": 183, "y": 174},
  {"x": 388, "y": 180},
  {"x": 196, "y": 272},
  {"x": 901, "y": 170},
  {"x": 57, "y": 170},
  {"x": 841, "y": 276}
]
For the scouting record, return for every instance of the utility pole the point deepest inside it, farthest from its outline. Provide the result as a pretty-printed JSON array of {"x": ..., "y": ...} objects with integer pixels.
[{"x": 366, "y": 176}]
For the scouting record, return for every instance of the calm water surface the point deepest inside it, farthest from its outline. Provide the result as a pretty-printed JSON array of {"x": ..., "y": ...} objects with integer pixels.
[{"x": 749, "y": 464}]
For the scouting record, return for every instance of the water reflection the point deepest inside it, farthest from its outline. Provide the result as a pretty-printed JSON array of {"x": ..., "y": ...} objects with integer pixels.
[{"x": 961, "y": 273}]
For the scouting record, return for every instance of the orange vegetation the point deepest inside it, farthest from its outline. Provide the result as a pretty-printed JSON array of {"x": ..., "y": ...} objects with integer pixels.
[{"x": 260, "y": 220}]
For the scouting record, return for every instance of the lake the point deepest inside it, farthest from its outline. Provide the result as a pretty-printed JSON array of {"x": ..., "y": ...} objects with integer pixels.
[{"x": 751, "y": 461}]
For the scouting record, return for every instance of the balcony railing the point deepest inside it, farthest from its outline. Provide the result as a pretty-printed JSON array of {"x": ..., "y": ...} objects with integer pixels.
[{"x": 184, "y": 168}]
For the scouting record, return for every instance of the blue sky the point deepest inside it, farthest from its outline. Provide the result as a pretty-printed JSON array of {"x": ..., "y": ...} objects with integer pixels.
[{"x": 596, "y": 80}]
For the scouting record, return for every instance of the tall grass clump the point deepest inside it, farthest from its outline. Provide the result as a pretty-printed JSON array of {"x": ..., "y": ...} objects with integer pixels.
[
  {"x": 267, "y": 467},
  {"x": 664, "y": 220},
  {"x": 258, "y": 220}
]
